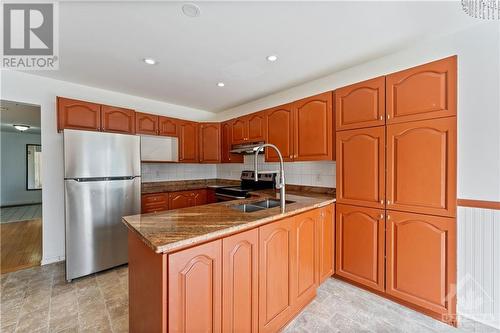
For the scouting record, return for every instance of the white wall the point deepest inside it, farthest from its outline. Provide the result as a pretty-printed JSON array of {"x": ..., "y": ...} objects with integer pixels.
[
  {"x": 27, "y": 88},
  {"x": 158, "y": 172},
  {"x": 13, "y": 166}
]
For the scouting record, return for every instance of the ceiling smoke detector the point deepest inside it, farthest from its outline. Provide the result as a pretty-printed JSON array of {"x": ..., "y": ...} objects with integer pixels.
[{"x": 191, "y": 10}]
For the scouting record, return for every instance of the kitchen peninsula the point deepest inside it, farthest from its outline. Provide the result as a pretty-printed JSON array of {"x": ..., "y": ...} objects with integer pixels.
[{"x": 217, "y": 268}]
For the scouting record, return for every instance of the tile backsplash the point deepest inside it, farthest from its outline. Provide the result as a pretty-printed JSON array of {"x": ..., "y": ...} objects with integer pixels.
[{"x": 320, "y": 174}]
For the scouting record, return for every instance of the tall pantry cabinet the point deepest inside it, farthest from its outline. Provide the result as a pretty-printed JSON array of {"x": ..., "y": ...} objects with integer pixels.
[{"x": 396, "y": 186}]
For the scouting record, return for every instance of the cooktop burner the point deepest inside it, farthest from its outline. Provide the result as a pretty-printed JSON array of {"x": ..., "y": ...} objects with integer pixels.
[{"x": 248, "y": 184}]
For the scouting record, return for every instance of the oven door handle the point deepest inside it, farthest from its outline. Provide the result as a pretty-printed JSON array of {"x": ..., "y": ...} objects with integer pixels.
[{"x": 227, "y": 196}]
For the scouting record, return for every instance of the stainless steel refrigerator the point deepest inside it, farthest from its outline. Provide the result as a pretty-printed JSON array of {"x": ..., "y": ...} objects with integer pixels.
[{"x": 102, "y": 182}]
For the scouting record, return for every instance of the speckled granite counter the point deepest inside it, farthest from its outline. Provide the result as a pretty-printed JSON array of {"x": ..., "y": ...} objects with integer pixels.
[
  {"x": 173, "y": 230},
  {"x": 185, "y": 185}
]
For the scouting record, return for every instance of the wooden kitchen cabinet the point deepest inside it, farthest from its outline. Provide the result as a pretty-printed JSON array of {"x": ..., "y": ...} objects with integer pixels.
[
  {"x": 423, "y": 92},
  {"x": 361, "y": 167},
  {"x": 188, "y": 142},
  {"x": 360, "y": 105},
  {"x": 210, "y": 143},
  {"x": 74, "y": 114},
  {"x": 280, "y": 130},
  {"x": 146, "y": 123},
  {"x": 326, "y": 242},
  {"x": 200, "y": 197},
  {"x": 359, "y": 246},
  {"x": 240, "y": 130},
  {"x": 182, "y": 199},
  {"x": 250, "y": 128},
  {"x": 117, "y": 120},
  {"x": 421, "y": 261},
  {"x": 226, "y": 142},
  {"x": 421, "y": 166},
  {"x": 211, "y": 198},
  {"x": 168, "y": 126},
  {"x": 240, "y": 278},
  {"x": 276, "y": 253},
  {"x": 195, "y": 289},
  {"x": 155, "y": 202},
  {"x": 313, "y": 128}
]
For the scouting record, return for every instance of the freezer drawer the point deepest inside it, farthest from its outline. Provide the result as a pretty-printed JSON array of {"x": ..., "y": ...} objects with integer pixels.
[{"x": 96, "y": 238}]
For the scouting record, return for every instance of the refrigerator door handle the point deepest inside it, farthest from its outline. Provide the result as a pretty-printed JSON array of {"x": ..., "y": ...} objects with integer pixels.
[{"x": 102, "y": 179}]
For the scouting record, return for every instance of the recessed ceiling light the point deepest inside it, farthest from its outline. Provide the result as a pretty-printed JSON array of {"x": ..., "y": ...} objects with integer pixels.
[
  {"x": 149, "y": 61},
  {"x": 272, "y": 58},
  {"x": 191, "y": 10},
  {"x": 220, "y": 84},
  {"x": 21, "y": 127}
]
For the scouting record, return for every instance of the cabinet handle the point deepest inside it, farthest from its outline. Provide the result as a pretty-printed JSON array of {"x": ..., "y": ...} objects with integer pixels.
[
  {"x": 388, "y": 202},
  {"x": 381, "y": 202},
  {"x": 381, "y": 117},
  {"x": 291, "y": 156},
  {"x": 388, "y": 117},
  {"x": 388, "y": 217},
  {"x": 381, "y": 216}
]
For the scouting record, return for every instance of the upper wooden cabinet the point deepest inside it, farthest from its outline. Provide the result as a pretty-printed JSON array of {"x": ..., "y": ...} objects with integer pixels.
[
  {"x": 421, "y": 260},
  {"x": 117, "y": 120},
  {"x": 74, "y": 114},
  {"x": 361, "y": 104},
  {"x": 421, "y": 166},
  {"x": 168, "y": 126},
  {"x": 360, "y": 241},
  {"x": 240, "y": 278},
  {"x": 313, "y": 128},
  {"x": 326, "y": 242},
  {"x": 195, "y": 289},
  {"x": 423, "y": 92},
  {"x": 361, "y": 167},
  {"x": 210, "y": 143},
  {"x": 251, "y": 128},
  {"x": 279, "y": 123},
  {"x": 226, "y": 142},
  {"x": 146, "y": 123},
  {"x": 188, "y": 142}
]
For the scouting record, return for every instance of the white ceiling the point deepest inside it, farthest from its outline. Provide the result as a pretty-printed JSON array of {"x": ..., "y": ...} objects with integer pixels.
[
  {"x": 102, "y": 44},
  {"x": 19, "y": 113}
]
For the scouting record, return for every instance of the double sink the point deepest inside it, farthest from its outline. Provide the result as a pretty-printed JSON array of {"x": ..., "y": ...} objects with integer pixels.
[{"x": 259, "y": 205}]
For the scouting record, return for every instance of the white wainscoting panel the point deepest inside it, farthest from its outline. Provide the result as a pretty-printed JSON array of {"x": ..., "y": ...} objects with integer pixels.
[{"x": 478, "y": 280}]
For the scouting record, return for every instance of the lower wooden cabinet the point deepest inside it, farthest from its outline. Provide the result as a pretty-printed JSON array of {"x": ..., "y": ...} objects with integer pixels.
[
  {"x": 157, "y": 202},
  {"x": 177, "y": 200},
  {"x": 326, "y": 242},
  {"x": 154, "y": 202},
  {"x": 240, "y": 294},
  {"x": 194, "y": 289},
  {"x": 421, "y": 260},
  {"x": 360, "y": 240}
]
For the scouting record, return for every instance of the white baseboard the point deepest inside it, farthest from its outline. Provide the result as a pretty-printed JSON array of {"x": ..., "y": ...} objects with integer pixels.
[{"x": 47, "y": 261}]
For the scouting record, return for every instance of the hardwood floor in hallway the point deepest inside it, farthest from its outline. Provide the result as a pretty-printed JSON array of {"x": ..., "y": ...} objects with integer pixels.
[{"x": 21, "y": 245}]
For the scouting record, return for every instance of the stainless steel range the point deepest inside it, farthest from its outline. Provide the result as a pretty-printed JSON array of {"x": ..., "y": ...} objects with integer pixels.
[{"x": 248, "y": 184}]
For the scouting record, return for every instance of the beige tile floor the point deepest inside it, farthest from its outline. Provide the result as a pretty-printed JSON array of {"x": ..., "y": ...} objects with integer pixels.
[{"x": 39, "y": 300}]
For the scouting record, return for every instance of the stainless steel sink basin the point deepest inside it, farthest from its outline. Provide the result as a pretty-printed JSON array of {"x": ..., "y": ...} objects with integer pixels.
[
  {"x": 247, "y": 208},
  {"x": 270, "y": 203}
]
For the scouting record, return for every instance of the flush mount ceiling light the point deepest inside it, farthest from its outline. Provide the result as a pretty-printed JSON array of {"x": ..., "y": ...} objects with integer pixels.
[
  {"x": 21, "y": 127},
  {"x": 220, "y": 84},
  {"x": 272, "y": 58},
  {"x": 149, "y": 61},
  {"x": 191, "y": 10}
]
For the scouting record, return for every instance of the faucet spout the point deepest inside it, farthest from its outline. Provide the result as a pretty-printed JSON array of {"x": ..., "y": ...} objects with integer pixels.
[{"x": 280, "y": 185}]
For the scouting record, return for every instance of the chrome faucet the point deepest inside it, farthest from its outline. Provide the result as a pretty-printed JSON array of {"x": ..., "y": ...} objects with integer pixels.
[{"x": 280, "y": 185}]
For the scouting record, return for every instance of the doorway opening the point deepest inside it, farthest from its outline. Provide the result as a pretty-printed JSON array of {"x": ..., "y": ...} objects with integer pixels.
[{"x": 21, "y": 186}]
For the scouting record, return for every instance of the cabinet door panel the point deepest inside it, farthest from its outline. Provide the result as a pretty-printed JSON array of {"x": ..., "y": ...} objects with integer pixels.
[
  {"x": 155, "y": 202},
  {"x": 188, "y": 142},
  {"x": 361, "y": 104},
  {"x": 168, "y": 126},
  {"x": 76, "y": 114},
  {"x": 200, "y": 197},
  {"x": 361, "y": 167},
  {"x": 276, "y": 250},
  {"x": 421, "y": 260},
  {"x": 280, "y": 132},
  {"x": 423, "y": 92},
  {"x": 240, "y": 130},
  {"x": 421, "y": 166},
  {"x": 257, "y": 127},
  {"x": 360, "y": 237},
  {"x": 117, "y": 120},
  {"x": 146, "y": 123},
  {"x": 227, "y": 139},
  {"x": 210, "y": 143},
  {"x": 177, "y": 200},
  {"x": 194, "y": 289},
  {"x": 313, "y": 123},
  {"x": 240, "y": 281},
  {"x": 326, "y": 237}
]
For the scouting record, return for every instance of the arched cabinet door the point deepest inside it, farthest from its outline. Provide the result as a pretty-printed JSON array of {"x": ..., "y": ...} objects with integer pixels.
[
  {"x": 210, "y": 144},
  {"x": 360, "y": 238},
  {"x": 226, "y": 142},
  {"x": 361, "y": 105},
  {"x": 146, "y": 123},
  {"x": 74, "y": 114},
  {"x": 168, "y": 126},
  {"x": 421, "y": 166},
  {"x": 240, "y": 130},
  {"x": 117, "y": 120},
  {"x": 280, "y": 132},
  {"x": 423, "y": 92},
  {"x": 256, "y": 127},
  {"x": 421, "y": 260},
  {"x": 361, "y": 167},
  {"x": 194, "y": 289},
  {"x": 188, "y": 142}
]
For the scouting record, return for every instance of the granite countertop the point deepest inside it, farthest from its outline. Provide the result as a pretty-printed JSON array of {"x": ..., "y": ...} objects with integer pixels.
[
  {"x": 185, "y": 185},
  {"x": 174, "y": 230}
]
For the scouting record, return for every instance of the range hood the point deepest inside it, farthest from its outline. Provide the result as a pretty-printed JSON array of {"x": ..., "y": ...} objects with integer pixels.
[{"x": 246, "y": 148}]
